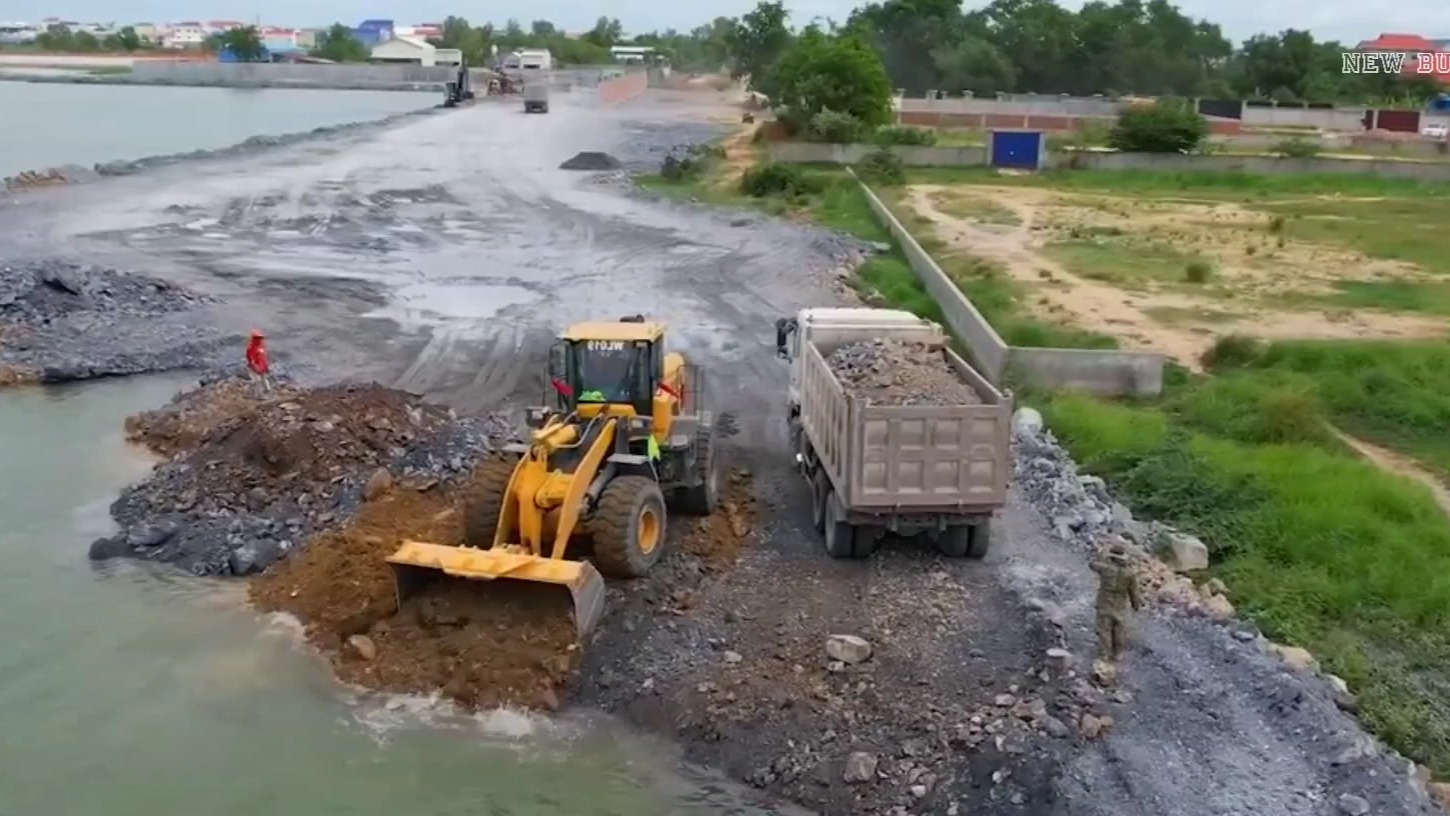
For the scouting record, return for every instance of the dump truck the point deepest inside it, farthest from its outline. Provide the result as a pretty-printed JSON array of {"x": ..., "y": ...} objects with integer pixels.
[
  {"x": 629, "y": 435},
  {"x": 536, "y": 95},
  {"x": 880, "y": 469}
]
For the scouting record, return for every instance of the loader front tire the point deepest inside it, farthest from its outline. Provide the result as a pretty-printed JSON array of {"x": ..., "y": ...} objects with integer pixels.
[
  {"x": 703, "y": 496},
  {"x": 483, "y": 502},
  {"x": 628, "y": 527}
]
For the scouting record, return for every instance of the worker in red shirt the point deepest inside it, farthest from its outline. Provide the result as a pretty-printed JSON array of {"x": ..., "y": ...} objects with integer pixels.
[{"x": 257, "y": 358}]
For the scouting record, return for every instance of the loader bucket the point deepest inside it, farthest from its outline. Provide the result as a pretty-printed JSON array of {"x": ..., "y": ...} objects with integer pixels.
[{"x": 415, "y": 563}]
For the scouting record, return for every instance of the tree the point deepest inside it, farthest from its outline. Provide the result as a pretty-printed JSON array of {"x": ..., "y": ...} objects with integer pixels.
[
  {"x": 542, "y": 28},
  {"x": 56, "y": 37},
  {"x": 85, "y": 42},
  {"x": 124, "y": 39},
  {"x": 756, "y": 42},
  {"x": 1163, "y": 127},
  {"x": 339, "y": 45},
  {"x": 837, "y": 73},
  {"x": 606, "y": 32},
  {"x": 245, "y": 42}
]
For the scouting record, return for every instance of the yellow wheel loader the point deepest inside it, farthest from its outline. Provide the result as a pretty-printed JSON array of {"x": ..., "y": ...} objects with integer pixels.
[{"x": 627, "y": 438}]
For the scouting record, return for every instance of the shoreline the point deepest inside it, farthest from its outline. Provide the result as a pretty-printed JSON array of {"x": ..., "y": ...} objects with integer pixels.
[
  {"x": 129, "y": 79},
  {"x": 73, "y": 174}
]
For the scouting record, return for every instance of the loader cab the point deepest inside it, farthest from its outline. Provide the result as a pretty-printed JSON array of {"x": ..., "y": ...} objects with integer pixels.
[{"x": 611, "y": 368}]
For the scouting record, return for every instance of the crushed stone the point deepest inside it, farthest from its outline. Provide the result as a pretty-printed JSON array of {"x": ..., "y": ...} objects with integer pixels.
[{"x": 897, "y": 372}]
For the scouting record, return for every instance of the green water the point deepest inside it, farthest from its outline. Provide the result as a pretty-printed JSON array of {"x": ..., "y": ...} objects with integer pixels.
[{"x": 131, "y": 691}]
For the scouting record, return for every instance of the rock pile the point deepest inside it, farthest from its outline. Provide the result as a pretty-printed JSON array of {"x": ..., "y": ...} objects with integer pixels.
[
  {"x": 895, "y": 372},
  {"x": 62, "y": 322},
  {"x": 591, "y": 160},
  {"x": 37, "y": 294},
  {"x": 254, "y": 474}
]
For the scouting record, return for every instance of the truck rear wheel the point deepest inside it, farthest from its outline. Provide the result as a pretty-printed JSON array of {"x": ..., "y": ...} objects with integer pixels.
[
  {"x": 820, "y": 494},
  {"x": 840, "y": 535},
  {"x": 966, "y": 541}
]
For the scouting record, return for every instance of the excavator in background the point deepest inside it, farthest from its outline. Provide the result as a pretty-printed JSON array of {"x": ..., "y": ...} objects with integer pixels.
[{"x": 628, "y": 436}]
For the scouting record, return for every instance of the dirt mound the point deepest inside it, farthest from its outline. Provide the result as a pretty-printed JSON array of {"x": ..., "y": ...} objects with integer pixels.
[
  {"x": 480, "y": 644},
  {"x": 254, "y": 472},
  {"x": 893, "y": 372},
  {"x": 589, "y": 160},
  {"x": 181, "y": 425}
]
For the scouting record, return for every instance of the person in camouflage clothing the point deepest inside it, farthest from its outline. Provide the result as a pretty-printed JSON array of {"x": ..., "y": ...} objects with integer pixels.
[{"x": 1118, "y": 594}]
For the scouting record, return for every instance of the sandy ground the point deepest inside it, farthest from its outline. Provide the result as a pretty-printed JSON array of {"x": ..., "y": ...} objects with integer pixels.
[
  {"x": 1012, "y": 226},
  {"x": 439, "y": 257}
]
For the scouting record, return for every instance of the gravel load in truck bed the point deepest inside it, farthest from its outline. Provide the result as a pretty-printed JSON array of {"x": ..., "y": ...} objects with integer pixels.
[{"x": 896, "y": 372}]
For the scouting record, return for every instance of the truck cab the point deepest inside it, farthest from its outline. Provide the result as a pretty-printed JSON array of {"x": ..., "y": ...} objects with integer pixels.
[{"x": 833, "y": 324}]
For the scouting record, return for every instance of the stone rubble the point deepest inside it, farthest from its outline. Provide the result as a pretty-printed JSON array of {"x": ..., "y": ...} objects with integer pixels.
[
  {"x": 61, "y": 322},
  {"x": 896, "y": 372}
]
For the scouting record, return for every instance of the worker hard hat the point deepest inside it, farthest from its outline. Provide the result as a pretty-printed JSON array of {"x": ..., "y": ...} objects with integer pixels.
[{"x": 257, "y": 334}]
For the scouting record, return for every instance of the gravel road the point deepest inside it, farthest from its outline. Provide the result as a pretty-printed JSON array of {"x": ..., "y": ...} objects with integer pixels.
[{"x": 439, "y": 256}]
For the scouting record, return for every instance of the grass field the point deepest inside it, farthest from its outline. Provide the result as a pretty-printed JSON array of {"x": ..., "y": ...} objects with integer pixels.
[{"x": 1321, "y": 547}]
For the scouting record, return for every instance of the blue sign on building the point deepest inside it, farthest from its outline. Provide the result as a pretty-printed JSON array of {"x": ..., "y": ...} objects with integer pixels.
[{"x": 372, "y": 32}]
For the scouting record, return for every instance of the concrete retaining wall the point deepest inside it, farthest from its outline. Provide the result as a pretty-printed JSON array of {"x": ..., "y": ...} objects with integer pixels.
[
  {"x": 1111, "y": 373},
  {"x": 1014, "y": 110},
  {"x": 920, "y": 156}
]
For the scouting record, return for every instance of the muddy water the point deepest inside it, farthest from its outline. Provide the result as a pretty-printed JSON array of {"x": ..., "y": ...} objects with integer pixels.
[{"x": 124, "y": 691}]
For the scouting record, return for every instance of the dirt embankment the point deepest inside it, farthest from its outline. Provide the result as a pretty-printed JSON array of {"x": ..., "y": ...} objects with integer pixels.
[{"x": 63, "y": 322}]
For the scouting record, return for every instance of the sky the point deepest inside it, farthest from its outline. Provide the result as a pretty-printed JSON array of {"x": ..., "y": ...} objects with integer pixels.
[{"x": 1345, "y": 20}]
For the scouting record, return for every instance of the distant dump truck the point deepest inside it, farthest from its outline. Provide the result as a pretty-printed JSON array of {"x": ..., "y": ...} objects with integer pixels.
[
  {"x": 536, "y": 95},
  {"x": 895, "y": 432}
]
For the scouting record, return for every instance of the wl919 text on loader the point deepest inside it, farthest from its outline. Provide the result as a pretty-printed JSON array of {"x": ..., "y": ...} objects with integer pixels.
[{"x": 628, "y": 429}]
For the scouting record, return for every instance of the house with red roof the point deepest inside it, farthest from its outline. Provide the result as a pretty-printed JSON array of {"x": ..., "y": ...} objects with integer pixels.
[{"x": 1412, "y": 46}]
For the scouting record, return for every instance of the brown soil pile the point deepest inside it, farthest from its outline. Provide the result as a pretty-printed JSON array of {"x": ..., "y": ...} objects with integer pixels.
[
  {"x": 894, "y": 372},
  {"x": 481, "y": 644},
  {"x": 11, "y": 376},
  {"x": 292, "y": 444},
  {"x": 718, "y": 539},
  {"x": 195, "y": 415}
]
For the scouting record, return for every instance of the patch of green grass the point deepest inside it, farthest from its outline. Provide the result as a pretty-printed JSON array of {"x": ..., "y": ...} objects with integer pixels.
[
  {"x": 1427, "y": 297},
  {"x": 1392, "y": 393},
  {"x": 1322, "y": 549},
  {"x": 1170, "y": 315},
  {"x": 975, "y": 208},
  {"x": 1122, "y": 261},
  {"x": 1394, "y": 228},
  {"x": 1190, "y": 185}
]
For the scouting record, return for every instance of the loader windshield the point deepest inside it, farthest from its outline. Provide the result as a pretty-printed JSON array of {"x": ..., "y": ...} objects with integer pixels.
[{"x": 608, "y": 370}]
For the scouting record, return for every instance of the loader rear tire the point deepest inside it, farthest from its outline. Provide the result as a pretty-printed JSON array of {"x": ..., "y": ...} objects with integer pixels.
[
  {"x": 628, "y": 527},
  {"x": 483, "y": 502},
  {"x": 701, "y": 498}
]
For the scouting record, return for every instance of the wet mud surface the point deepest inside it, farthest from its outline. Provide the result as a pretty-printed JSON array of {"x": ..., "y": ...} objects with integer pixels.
[{"x": 437, "y": 259}]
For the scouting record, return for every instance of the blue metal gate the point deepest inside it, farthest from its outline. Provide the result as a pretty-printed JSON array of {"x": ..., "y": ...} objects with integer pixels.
[{"x": 1018, "y": 149}]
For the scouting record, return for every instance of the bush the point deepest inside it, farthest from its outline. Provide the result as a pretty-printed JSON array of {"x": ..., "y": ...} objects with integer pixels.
[
  {"x": 897, "y": 135},
  {"x": 1296, "y": 148},
  {"x": 1163, "y": 127},
  {"x": 882, "y": 167},
  {"x": 693, "y": 164},
  {"x": 776, "y": 178},
  {"x": 1234, "y": 350},
  {"x": 835, "y": 127},
  {"x": 1197, "y": 271}
]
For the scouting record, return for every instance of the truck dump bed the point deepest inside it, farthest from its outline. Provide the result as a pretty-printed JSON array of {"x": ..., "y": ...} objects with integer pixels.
[{"x": 895, "y": 459}]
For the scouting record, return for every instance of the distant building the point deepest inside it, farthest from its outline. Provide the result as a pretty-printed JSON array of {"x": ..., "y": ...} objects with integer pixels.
[
  {"x": 18, "y": 33},
  {"x": 1411, "y": 45},
  {"x": 406, "y": 51},
  {"x": 184, "y": 35},
  {"x": 631, "y": 54},
  {"x": 374, "y": 32},
  {"x": 149, "y": 33},
  {"x": 279, "y": 39},
  {"x": 307, "y": 37}
]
